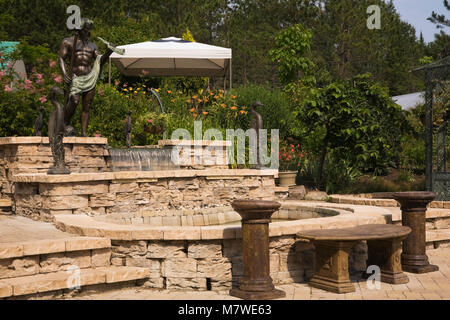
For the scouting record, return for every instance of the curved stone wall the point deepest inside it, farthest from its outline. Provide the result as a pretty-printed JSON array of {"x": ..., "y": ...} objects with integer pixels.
[{"x": 210, "y": 257}]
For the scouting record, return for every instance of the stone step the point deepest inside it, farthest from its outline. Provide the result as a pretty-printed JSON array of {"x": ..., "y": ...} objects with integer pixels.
[
  {"x": 382, "y": 202},
  {"x": 27, "y": 285},
  {"x": 32, "y": 248},
  {"x": 432, "y": 214},
  {"x": 438, "y": 235}
]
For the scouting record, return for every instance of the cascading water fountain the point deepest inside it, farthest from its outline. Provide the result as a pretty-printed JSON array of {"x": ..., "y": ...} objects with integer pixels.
[{"x": 142, "y": 159}]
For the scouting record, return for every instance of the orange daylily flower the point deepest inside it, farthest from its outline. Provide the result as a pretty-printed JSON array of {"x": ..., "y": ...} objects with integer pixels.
[
  {"x": 233, "y": 108},
  {"x": 205, "y": 112}
]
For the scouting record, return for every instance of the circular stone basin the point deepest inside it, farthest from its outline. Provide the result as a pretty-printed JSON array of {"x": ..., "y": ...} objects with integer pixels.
[{"x": 224, "y": 215}]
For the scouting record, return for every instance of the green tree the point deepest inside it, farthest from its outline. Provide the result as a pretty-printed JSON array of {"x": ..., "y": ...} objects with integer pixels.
[
  {"x": 439, "y": 19},
  {"x": 354, "y": 118},
  {"x": 291, "y": 51},
  {"x": 440, "y": 47},
  {"x": 345, "y": 47}
]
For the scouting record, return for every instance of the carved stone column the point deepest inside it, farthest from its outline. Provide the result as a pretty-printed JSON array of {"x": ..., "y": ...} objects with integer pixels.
[
  {"x": 414, "y": 207},
  {"x": 256, "y": 283}
]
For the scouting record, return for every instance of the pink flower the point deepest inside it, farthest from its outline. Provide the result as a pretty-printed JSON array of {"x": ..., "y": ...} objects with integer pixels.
[
  {"x": 28, "y": 82},
  {"x": 2, "y": 73},
  {"x": 10, "y": 65},
  {"x": 149, "y": 120},
  {"x": 97, "y": 134},
  {"x": 116, "y": 83},
  {"x": 58, "y": 79},
  {"x": 39, "y": 76},
  {"x": 8, "y": 88},
  {"x": 52, "y": 63},
  {"x": 43, "y": 99},
  {"x": 40, "y": 81},
  {"x": 125, "y": 85}
]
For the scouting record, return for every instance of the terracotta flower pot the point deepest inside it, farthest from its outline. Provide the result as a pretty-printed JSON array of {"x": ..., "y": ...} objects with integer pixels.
[
  {"x": 154, "y": 129},
  {"x": 287, "y": 178}
]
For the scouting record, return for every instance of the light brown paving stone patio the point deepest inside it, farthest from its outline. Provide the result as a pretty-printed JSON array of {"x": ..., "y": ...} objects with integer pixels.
[{"x": 431, "y": 286}]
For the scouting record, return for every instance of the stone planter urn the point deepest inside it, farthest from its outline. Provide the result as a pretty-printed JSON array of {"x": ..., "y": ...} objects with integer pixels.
[
  {"x": 256, "y": 283},
  {"x": 287, "y": 178},
  {"x": 414, "y": 207}
]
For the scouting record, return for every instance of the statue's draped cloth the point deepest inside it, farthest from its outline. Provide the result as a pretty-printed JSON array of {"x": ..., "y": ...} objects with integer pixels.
[{"x": 87, "y": 82}]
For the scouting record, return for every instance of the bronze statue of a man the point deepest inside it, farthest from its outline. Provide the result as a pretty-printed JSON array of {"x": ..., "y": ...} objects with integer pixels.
[{"x": 81, "y": 76}]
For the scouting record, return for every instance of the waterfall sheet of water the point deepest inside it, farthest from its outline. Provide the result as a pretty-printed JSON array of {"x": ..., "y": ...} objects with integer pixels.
[{"x": 142, "y": 159}]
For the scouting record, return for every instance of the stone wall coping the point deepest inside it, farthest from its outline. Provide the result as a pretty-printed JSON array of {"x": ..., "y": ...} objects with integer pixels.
[
  {"x": 37, "y": 247},
  {"x": 215, "y": 143},
  {"x": 363, "y": 199},
  {"x": 132, "y": 175},
  {"x": 88, "y": 226},
  {"x": 44, "y": 140}
]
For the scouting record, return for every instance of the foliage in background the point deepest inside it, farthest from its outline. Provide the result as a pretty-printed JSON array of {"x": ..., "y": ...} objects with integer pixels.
[
  {"x": 20, "y": 100},
  {"x": 277, "y": 110},
  {"x": 342, "y": 46},
  {"x": 355, "y": 118},
  {"x": 290, "y": 53}
]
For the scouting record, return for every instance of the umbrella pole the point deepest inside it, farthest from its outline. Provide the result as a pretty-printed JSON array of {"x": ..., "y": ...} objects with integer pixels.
[{"x": 231, "y": 79}]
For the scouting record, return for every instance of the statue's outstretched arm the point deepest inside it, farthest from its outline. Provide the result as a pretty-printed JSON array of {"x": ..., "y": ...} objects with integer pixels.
[{"x": 111, "y": 48}]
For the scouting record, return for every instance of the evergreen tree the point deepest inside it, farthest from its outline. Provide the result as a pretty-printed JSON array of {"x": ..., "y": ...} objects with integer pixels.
[{"x": 439, "y": 19}]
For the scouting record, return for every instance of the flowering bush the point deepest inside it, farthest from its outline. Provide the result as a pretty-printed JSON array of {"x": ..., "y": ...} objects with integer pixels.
[
  {"x": 290, "y": 157},
  {"x": 20, "y": 100},
  {"x": 19, "y": 106}
]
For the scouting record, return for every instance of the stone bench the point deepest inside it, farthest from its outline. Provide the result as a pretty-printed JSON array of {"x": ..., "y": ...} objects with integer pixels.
[{"x": 384, "y": 243}]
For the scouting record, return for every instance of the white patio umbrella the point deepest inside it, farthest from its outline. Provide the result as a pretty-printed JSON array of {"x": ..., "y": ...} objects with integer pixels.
[{"x": 172, "y": 57}]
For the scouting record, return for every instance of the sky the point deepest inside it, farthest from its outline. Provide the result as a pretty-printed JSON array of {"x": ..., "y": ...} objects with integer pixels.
[{"x": 416, "y": 13}]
